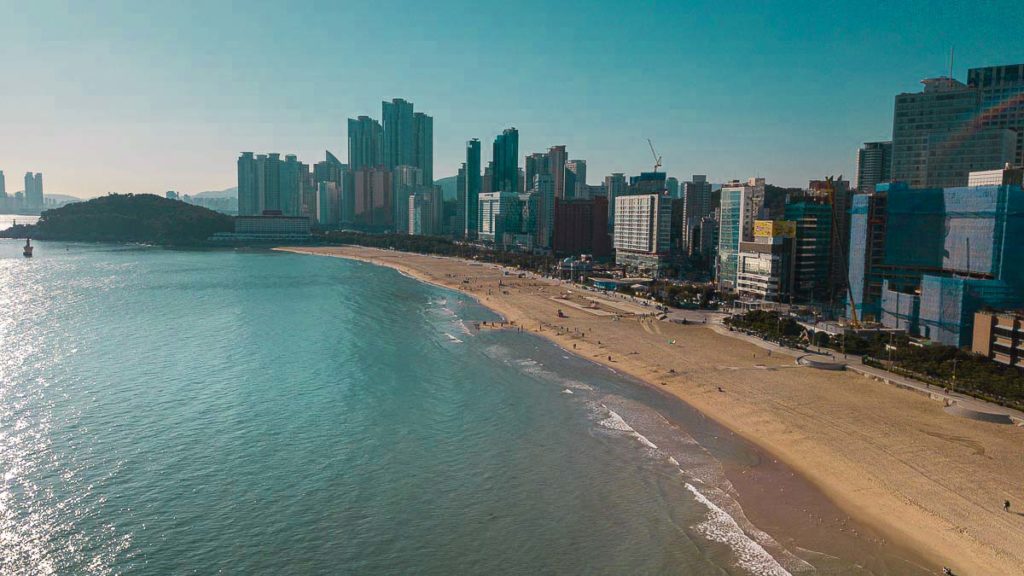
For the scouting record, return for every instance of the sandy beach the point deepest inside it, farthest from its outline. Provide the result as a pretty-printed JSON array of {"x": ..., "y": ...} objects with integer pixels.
[{"x": 893, "y": 460}]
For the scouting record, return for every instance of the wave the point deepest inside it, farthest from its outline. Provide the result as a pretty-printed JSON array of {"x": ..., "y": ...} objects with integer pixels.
[
  {"x": 723, "y": 528},
  {"x": 748, "y": 543},
  {"x": 615, "y": 422},
  {"x": 754, "y": 550}
]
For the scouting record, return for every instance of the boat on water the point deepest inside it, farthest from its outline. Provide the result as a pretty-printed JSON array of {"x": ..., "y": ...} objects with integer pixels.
[{"x": 27, "y": 252}]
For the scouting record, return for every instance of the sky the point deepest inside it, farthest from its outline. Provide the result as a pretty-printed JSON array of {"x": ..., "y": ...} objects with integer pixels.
[{"x": 147, "y": 97}]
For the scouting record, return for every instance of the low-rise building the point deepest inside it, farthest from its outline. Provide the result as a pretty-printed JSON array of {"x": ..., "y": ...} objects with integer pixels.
[
  {"x": 269, "y": 227},
  {"x": 1000, "y": 337},
  {"x": 765, "y": 266}
]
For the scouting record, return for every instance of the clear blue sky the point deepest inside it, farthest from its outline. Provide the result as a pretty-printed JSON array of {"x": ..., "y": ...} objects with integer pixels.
[{"x": 147, "y": 97}]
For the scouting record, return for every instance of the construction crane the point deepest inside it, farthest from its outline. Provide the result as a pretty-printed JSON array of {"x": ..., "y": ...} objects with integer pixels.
[
  {"x": 830, "y": 189},
  {"x": 657, "y": 159}
]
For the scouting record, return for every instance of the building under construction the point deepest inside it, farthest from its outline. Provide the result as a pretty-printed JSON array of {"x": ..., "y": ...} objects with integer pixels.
[{"x": 925, "y": 260}]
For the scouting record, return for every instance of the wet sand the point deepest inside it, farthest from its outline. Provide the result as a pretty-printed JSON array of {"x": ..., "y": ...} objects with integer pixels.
[{"x": 913, "y": 477}]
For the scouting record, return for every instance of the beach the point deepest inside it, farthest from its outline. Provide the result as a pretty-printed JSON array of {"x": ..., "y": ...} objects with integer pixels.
[{"x": 893, "y": 460}]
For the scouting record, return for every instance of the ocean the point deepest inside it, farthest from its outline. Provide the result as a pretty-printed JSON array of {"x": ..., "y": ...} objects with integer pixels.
[{"x": 251, "y": 412}]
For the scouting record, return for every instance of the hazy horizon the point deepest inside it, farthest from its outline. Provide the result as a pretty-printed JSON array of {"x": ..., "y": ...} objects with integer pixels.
[{"x": 147, "y": 99}]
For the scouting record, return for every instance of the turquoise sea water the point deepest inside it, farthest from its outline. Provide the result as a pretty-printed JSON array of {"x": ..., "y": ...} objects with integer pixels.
[{"x": 169, "y": 412}]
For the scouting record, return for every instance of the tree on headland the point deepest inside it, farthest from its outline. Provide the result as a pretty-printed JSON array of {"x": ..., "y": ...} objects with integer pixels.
[{"x": 142, "y": 218}]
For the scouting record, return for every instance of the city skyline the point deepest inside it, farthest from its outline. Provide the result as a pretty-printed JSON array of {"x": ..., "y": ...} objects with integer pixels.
[{"x": 161, "y": 100}]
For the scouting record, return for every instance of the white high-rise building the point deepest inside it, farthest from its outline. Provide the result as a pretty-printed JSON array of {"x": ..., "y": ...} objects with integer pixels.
[
  {"x": 500, "y": 213},
  {"x": 642, "y": 235}
]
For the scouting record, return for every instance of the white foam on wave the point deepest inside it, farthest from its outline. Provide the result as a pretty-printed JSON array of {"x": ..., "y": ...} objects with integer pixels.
[
  {"x": 615, "y": 422},
  {"x": 534, "y": 368},
  {"x": 749, "y": 545},
  {"x": 721, "y": 527},
  {"x": 452, "y": 338},
  {"x": 566, "y": 391}
]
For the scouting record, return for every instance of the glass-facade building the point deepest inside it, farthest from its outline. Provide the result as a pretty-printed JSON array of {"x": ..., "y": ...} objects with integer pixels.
[
  {"x": 812, "y": 260},
  {"x": 955, "y": 249}
]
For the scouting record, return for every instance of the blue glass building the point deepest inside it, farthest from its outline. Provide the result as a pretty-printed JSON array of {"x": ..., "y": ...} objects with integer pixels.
[{"x": 926, "y": 259}]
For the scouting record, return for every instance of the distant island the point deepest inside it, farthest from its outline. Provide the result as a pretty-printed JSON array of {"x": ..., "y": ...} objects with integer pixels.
[{"x": 126, "y": 218}]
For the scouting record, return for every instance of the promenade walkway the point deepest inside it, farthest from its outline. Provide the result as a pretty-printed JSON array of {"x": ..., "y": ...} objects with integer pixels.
[{"x": 855, "y": 363}]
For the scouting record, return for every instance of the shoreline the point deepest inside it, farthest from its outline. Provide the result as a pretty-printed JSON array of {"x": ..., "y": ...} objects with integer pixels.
[{"x": 867, "y": 476}]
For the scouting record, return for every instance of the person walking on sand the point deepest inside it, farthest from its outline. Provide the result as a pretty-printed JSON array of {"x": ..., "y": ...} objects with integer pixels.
[{"x": 1006, "y": 505}]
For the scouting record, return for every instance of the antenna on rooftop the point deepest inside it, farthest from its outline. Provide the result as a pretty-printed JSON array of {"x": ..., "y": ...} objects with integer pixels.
[{"x": 951, "y": 62}]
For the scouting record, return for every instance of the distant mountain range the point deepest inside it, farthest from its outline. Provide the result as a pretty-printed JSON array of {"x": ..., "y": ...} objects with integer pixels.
[
  {"x": 226, "y": 193},
  {"x": 63, "y": 198}
]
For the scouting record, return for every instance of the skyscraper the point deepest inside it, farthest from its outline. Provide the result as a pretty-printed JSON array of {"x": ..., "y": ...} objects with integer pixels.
[
  {"x": 543, "y": 186},
  {"x": 672, "y": 185},
  {"x": 328, "y": 204},
  {"x": 290, "y": 189},
  {"x": 557, "y": 157},
  {"x": 938, "y": 138},
  {"x": 874, "y": 165},
  {"x": 643, "y": 228},
  {"x": 813, "y": 218},
  {"x": 500, "y": 216},
  {"x": 536, "y": 163},
  {"x": 329, "y": 170},
  {"x": 1002, "y": 99},
  {"x": 271, "y": 190},
  {"x": 578, "y": 169},
  {"x": 248, "y": 188},
  {"x": 408, "y": 138},
  {"x": 472, "y": 193},
  {"x": 34, "y": 190},
  {"x": 457, "y": 228},
  {"x": 581, "y": 227},
  {"x": 615, "y": 186},
  {"x": 569, "y": 182},
  {"x": 3, "y": 187},
  {"x": 505, "y": 177},
  {"x": 373, "y": 199},
  {"x": 423, "y": 146},
  {"x": 399, "y": 137},
  {"x": 741, "y": 205},
  {"x": 696, "y": 205},
  {"x": 365, "y": 143},
  {"x": 406, "y": 181}
]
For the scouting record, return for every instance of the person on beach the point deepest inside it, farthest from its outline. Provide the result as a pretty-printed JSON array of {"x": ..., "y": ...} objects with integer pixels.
[{"x": 1006, "y": 506}]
